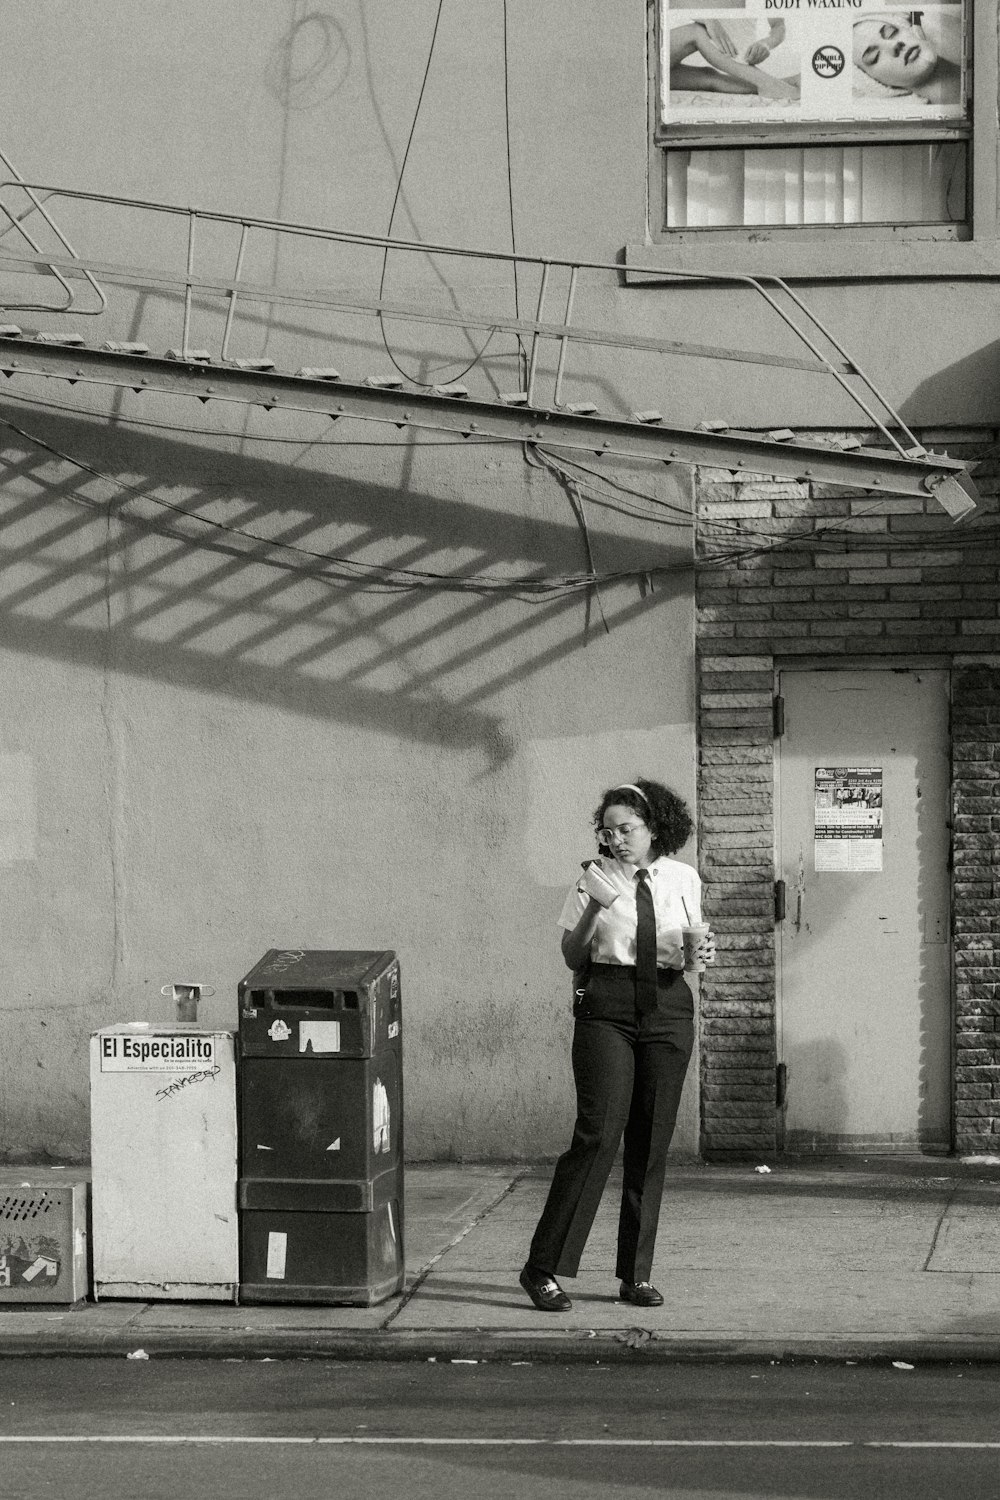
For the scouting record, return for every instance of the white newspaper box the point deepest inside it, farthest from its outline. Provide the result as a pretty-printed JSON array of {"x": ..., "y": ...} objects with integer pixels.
[{"x": 163, "y": 1162}]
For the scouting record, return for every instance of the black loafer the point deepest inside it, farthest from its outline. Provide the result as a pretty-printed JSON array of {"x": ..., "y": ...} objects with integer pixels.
[
  {"x": 641, "y": 1294},
  {"x": 544, "y": 1291}
]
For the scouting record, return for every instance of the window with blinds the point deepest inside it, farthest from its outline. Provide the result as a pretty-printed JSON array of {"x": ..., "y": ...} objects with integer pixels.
[
  {"x": 915, "y": 183},
  {"x": 849, "y": 112}
]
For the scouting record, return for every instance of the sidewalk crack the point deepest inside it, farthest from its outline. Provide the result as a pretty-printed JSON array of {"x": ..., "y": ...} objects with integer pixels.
[
  {"x": 939, "y": 1226},
  {"x": 422, "y": 1276}
]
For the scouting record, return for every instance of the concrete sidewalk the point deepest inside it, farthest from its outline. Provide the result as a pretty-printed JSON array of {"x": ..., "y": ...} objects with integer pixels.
[{"x": 886, "y": 1258}]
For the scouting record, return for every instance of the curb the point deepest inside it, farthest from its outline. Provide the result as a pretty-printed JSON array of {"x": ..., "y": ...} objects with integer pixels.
[{"x": 620, "y": 1346}]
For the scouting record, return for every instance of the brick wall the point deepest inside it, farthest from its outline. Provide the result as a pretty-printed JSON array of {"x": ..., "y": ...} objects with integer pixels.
[
  {"x": 736, "y": 859},
  {"x": 976, "y": 909},
  {"x": 795, "y": 572}
]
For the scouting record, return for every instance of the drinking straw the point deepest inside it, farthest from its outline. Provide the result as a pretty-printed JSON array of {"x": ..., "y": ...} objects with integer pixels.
[{"x": 686, "y": 912}]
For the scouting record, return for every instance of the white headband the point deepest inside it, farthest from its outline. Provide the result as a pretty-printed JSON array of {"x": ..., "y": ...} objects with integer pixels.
[{"x": 630, "y": 786}]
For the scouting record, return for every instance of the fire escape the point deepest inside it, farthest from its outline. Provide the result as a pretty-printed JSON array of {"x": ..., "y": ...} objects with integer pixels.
[{"x": 216, "y": 309}]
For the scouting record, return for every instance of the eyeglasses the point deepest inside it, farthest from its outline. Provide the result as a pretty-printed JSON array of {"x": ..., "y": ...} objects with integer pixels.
[{"x": 622, "y": 831}]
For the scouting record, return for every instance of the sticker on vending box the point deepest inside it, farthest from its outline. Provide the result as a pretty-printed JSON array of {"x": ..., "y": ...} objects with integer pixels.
[
  {"x": 277, "y": 1250},
  {"x": 319, "y": 1036},
  {"x": 30, "y": 1259},
  {"x": 380, "y": 1117}
]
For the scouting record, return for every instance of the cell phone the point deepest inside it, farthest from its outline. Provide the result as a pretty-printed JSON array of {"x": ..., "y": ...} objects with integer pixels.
[{"x": 596, "y": 884}]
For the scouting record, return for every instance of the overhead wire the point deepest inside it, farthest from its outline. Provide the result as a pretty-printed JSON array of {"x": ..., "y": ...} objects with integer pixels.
[
  {"x": 841, "y": 534},
  {"x": 338, "y": 570},
  {"x": 475, "y": 439},
  {"x": 839, "y": 527},
  {"x": 522, "y": 354},
  {"x": 561, "y": 463},
  {"x": 557, "y": 464},
  {"x": 837, "y": 536},
  {"x": 832, "y": 534},
  {"x": 392, "y": 215},
  {"x": 745, "y": 542},
  {"x": 379, "y": 577},
  {"x": 573, "y": 492},
  {"x": 760, "y": 542},
  {"x": 565, "y": 461}
]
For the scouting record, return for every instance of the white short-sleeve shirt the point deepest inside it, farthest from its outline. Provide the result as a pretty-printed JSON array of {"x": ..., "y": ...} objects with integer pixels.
[{"x": 674, "y": 885}]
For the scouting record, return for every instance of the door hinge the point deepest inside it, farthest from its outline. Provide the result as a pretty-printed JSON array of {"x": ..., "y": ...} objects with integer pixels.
[
  {"x": 779, "y": 901},
  {"x": 780, "y": 1085},
  {"x": 778, "y": 715}
]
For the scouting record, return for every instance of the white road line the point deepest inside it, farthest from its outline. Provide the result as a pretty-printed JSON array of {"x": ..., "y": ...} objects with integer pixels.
[
  {"x": 229, "y": 1440},
  {"x": 449, "y": 1442},
  {"x": 928, "y": 1444}
]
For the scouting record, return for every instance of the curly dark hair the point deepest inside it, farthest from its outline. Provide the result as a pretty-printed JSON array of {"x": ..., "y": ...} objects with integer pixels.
[{"x": 663, "y": 812}]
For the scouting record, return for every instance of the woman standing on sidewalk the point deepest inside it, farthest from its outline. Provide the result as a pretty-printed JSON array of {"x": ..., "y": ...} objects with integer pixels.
[{"x": 632, "y": 1041}]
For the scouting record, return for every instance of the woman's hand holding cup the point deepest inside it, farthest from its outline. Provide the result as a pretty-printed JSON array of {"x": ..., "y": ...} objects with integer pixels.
[
  {"x": 699, "y": 947},
  {"x": 594, "y": 883}
]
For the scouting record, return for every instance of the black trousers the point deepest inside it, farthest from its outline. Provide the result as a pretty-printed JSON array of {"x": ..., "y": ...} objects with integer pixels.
[{"x": 629, "y": 1071}]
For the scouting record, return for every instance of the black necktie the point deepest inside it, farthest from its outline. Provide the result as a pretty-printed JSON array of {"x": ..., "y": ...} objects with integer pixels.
[{"x": 645, "y": 945}]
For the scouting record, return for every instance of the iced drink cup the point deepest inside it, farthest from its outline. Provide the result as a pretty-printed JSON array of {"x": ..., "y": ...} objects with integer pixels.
[
  {"x": 595, "y": 883},
  {"x": 691, "y": 937}
]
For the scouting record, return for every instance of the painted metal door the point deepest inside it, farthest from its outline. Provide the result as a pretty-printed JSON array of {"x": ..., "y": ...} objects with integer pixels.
[{"x": 864, "y": 957}]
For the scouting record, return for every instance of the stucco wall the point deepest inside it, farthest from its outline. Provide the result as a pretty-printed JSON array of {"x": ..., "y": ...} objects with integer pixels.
[{"x": 206, "y": 753}]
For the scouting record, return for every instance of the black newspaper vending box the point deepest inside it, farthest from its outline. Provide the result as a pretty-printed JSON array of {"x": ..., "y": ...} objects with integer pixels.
[{"x": 321, "y": 1127}]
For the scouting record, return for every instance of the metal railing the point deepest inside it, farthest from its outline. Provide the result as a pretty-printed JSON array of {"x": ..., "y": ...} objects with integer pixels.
[
  {"x": 784, "y": 303},
  {"x": 16, "y": 222}
]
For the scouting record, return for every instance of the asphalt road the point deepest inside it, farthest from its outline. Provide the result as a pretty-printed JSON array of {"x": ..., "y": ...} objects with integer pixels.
[{"x": 261, "y": 1430}]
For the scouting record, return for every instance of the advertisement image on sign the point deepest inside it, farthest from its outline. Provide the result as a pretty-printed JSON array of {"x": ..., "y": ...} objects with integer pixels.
[{"x": 796, "y": 61}]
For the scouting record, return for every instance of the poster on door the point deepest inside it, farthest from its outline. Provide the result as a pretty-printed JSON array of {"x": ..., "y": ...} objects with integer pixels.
[
  {"x": 848, "y": 827},
  {"x": 792, "y": 61}
]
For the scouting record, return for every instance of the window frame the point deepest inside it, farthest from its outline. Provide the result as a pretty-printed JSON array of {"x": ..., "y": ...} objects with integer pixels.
[{"x": 836, "y": 251}]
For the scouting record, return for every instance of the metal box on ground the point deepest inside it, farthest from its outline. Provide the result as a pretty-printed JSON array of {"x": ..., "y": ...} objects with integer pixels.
[
  {"x": 332, "y": 1003},
  {"x": 43, "y": 1235},
  {"x": 321, "y": 1257},
  {"x": 321, "y": 1139},
  {"x": 163, "y": 1162}
]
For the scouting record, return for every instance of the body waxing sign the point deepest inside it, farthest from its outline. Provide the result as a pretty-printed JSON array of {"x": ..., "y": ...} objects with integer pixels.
[
  {"x": 848, "y": 832},
  {"x": 788, "y": 62},
  {"x": 136, "y": 1053}
]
